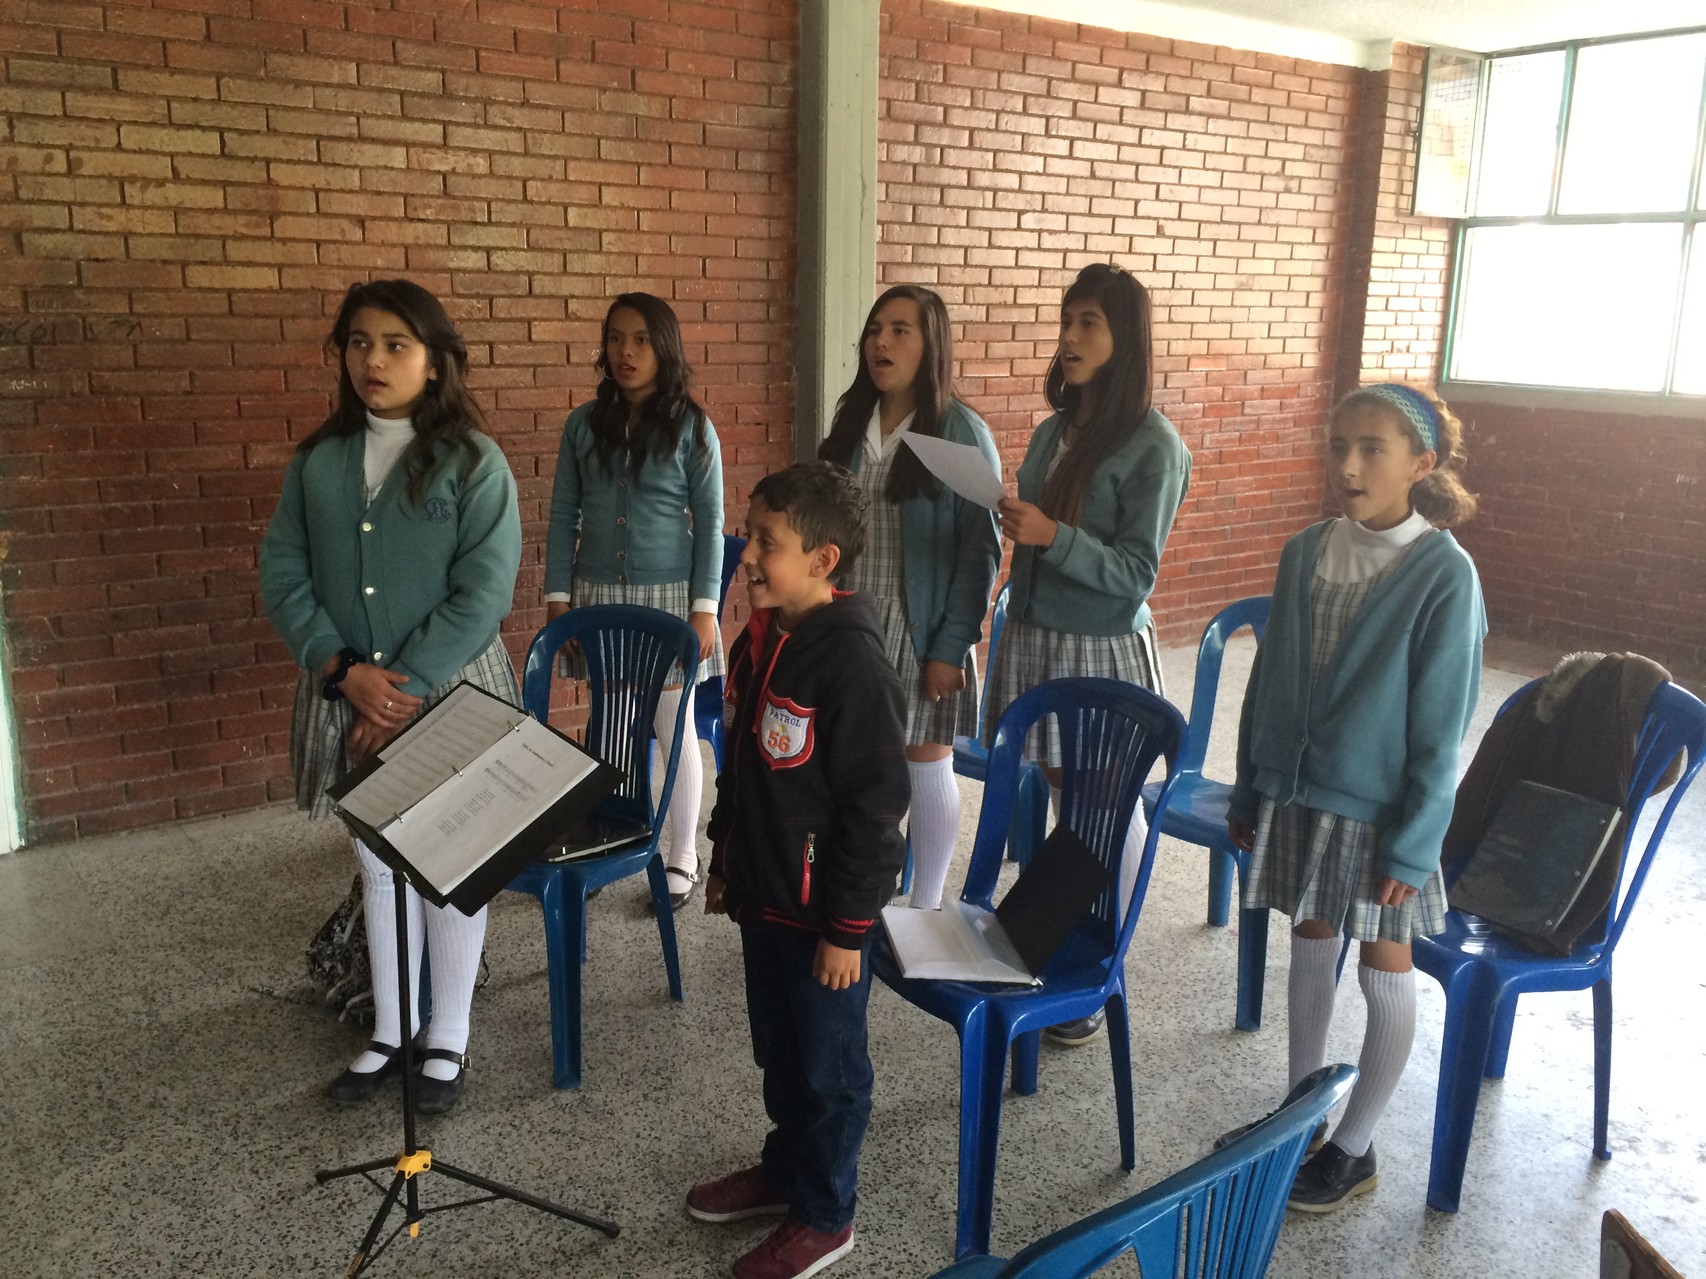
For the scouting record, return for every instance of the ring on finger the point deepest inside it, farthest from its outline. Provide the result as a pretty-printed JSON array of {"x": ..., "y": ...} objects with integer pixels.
[{"x": 388, "y": 704}]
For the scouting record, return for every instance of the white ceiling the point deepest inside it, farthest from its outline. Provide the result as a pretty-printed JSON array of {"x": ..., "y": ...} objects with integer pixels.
[{"x": 1360, "y": 32}]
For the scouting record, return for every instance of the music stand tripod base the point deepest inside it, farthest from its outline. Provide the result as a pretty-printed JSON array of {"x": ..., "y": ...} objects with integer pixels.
[{"x": 413, "y": 1161}]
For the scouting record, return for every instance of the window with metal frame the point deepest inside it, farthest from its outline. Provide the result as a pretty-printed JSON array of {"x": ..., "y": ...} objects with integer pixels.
[{"x": 1581, "y": 245}]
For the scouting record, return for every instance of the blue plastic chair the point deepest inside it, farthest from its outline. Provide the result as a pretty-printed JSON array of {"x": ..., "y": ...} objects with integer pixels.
[
  {"x": 971, "y": 759},
  {"x": 1111, "y": 735},
  {"x": 1218, "y": 1219},
  {"x": 1484, "y": 973},
  {"x": 631, "y": 654},
  {"x": 708, "y": 695},
  {"x": 1197, "y": 814}
]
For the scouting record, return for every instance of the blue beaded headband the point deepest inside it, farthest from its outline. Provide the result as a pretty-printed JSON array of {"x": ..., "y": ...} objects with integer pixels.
[{"x": 1418, "y": 410}]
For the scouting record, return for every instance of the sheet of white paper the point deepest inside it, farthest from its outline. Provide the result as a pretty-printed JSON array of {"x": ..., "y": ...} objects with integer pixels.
[
  {"x": 957, "y": 943},
  {"x": 449, "y": 833},
  {"x": 460, "y": 727},
  {"x": 960, "y": 466}
]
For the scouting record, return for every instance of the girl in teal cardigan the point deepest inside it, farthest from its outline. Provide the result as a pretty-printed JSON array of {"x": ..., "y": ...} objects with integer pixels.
[
  {"x": 1361, "y": 692},
  {"x": 387, "y": 568},
  {"x": 930, "y": 556},
  {"x": 1097, "y": 493},
  {"x": 637, "y": 518}
]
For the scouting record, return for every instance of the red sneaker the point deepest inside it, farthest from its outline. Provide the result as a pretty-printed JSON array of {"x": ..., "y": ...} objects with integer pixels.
[
  {"x": 793, "y": 1251},
  {"x": 735, "y": 1197}
]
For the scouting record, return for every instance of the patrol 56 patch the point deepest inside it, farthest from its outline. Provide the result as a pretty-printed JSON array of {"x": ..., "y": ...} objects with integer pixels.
[{"x": 785, "y": 732}]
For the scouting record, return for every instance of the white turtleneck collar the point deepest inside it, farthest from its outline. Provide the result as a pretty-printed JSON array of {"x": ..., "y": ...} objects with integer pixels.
[
  {"x": 387, "y": 437},
  {"x": 1355, "y": 554}
]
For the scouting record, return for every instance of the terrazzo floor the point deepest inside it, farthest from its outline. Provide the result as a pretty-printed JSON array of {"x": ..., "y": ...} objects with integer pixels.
[{"x": 161, "y": 1111}]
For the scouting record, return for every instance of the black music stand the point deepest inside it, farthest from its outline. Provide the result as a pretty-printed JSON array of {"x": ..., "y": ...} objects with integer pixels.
[{"x": 473, "y": 893}]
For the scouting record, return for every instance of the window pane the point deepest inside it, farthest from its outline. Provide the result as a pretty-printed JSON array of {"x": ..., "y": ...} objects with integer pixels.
[
  {"x": 1582, "y": 306},
  {"x": 1691, "y": 344},
  {"x": 1519, "y": 136},
  {"x": 1634, "y": 117},
  {"x": 1451, "y": 95}
]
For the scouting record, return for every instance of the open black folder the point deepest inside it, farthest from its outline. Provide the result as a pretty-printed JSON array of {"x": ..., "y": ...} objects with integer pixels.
[
  {"x": 469, "y": 794},
  {"x": 1013, "y": 943}
]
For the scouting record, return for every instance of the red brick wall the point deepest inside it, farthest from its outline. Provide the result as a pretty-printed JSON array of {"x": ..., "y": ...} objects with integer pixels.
[
  {"x": 1014, "y": 150},
  {"x": 185, "y": 191},
  {"x": 1592, "y": 530},
  {"x": 1399, "y": 266}
]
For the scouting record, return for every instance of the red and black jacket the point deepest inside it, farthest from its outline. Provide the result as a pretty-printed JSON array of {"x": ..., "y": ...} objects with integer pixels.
[{"x": 806, "y": 827}]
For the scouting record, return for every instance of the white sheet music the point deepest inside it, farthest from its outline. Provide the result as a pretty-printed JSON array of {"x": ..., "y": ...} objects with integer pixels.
[
  {"x": 458, "y": 730},
  {"x": 450, "y": 832},
  {"x": 960, "y": 466}
]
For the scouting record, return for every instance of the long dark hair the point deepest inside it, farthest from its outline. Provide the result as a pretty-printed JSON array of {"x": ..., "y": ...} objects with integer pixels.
[
  {"x": 933, "y": 391},
  {"x": 657, "y": 432},
  {"x": 447, "y": 416},
  {"x": 1120, "y": 393}
]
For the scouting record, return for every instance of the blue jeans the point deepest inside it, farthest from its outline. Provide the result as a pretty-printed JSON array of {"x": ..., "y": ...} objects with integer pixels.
[{"x": 810, "y": 1043}]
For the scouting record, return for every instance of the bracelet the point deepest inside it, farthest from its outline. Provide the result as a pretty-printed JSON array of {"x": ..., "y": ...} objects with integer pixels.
[{"x": 347, "y": 657}]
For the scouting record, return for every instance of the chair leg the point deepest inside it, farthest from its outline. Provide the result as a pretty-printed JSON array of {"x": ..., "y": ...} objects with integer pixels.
[
  {"x": 1602, "y": 1068},
  {"x": 655, "y": 875},
  {"x": 983, "y": 1063},
  {"x": 1499, "y": 1046},
  {"x": 1471, "y": 997},
  {"x": 1024, "y": 1055},
  {"x": 1252, "y": 966},
  {"x": 565, "y": 941},
  {"x": 1119, "y": 1046},
  {"x": 1222, "y": 868}
]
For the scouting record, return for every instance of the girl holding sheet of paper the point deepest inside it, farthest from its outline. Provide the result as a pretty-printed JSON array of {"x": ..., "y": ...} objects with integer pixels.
[
  {"x": 387, "y": 568},
  {"x": 1097, "y": 492},
  {"x": 930, "y": 556}
]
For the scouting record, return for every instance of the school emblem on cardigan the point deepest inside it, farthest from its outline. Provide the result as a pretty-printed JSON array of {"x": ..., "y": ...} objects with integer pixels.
[
  {"x": 785, "y": 732},
  {"x": 437, "y": 511}
]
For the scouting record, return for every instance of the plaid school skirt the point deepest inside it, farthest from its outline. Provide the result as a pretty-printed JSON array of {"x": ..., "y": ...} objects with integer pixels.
[
  {"x": 671, "y": 597},
  {"x": 1315, "y": 865},
  {"x": 927, "y": 722},
  {"x": 1029, "y": 654},
  {"x": 320, "y": 729}
]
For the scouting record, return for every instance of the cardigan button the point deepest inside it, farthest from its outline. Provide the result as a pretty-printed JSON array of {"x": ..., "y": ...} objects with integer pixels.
[
  {"x": 621, "y": 520},
  {"x": 379, "y": 657},
  {"x": 366, "y": 526},
  {"x": 367, "y": 590}
]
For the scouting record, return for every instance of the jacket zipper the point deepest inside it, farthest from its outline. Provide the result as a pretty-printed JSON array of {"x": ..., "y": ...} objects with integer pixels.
[{"x": 809, "y": 856}]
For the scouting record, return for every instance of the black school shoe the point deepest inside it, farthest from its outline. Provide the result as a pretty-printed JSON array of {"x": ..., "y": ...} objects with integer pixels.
[
  {"x": 1331, "y": 1177},
  {"x": 438, "y": 1096},
  {"x": 353, "y": 1087},
  {"x": 1317, "y": 1139},
  {"x": 1075, "y": 1034}
]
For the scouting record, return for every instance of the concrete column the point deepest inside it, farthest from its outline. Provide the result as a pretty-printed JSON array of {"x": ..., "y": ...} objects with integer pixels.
[{"x": 837, "y": 250}]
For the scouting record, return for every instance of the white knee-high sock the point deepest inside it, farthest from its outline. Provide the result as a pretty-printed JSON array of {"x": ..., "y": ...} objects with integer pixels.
[
  {"x": 454, "y": 941},
  {"x": 1131, "y": 856},
  {"x": 1310, "y": 988},
  {"x": 934, "y": 826},
  {"x": 1385, "y": 1051},
  {"x": 380, "y": 909},
  {"x": 681, "y": 823}
]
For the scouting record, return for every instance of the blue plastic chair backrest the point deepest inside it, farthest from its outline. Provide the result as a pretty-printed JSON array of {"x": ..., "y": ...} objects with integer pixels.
[
  {"x": 1675, "y": 724},
  {"x": 1111, "y": 734},
  {"x": 631, "y": 654},
  {"x": 1252, "y": 612},
  {"x": 997, "y": 624},
  {"x": 732, "y": 548},
  {"x": 1217, "y": 1219}
]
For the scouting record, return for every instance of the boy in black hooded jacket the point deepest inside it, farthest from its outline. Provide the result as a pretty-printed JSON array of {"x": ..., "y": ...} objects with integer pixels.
[{"x": 806, "y": 845}]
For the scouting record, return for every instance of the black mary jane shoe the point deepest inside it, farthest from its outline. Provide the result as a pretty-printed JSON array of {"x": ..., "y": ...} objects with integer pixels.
[
  {"x": 677, "y": 900},
  {"x": 439, "y": 1096},
  {"x": 353, "y": 1087}
]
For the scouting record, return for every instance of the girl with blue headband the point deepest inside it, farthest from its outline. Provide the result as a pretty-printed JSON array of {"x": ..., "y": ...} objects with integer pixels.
[{"x": 1361, "y": 692}]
